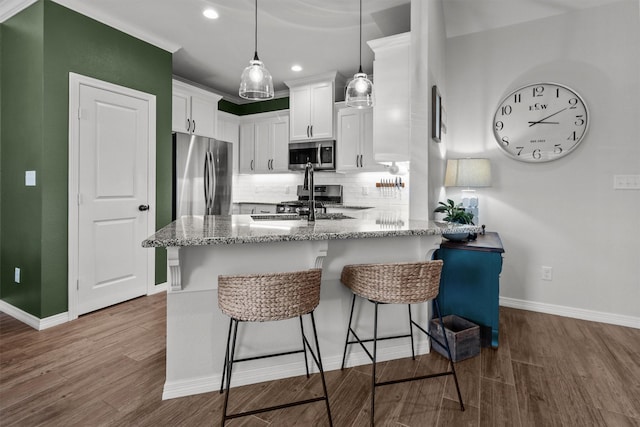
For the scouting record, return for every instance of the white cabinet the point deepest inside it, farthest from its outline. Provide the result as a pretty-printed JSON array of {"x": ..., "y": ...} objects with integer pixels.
[
  {"x": 391, "y": 113},
  {"x": 355, "y": 140},
  {"x": 311, "y": 107},
  {"x": 193, "y": 110},
  {"x": 264, "y": 143},
  {"x": 228, "y": 129},
  {"x": 247, "y": 148}
]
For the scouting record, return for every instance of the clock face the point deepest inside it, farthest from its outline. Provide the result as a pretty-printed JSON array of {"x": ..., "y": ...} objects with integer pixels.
[{"x": 540, "y": 122}]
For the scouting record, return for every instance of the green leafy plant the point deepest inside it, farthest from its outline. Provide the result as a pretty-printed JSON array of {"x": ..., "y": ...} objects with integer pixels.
[{"x": 454, "y": 213}]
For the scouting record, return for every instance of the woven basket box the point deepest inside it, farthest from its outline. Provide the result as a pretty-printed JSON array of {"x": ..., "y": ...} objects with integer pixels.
[{"x": 463, "y": 336}]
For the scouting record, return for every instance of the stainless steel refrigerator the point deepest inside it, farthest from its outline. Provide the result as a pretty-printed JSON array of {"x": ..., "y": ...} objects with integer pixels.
[{"x": 202, "y": 176}]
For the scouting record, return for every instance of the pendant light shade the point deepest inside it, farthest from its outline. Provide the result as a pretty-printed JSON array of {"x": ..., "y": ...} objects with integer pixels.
[
  {"x": 256, "y": 82},
  {"x": 360, "y": 89},
  {"x": 360, "y": 92}
]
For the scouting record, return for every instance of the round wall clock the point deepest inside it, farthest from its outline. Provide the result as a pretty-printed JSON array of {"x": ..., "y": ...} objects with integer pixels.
[{"x": 540, "y": 122}]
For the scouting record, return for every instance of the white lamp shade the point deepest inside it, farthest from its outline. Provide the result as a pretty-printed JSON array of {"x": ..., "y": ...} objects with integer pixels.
[
  {"x": 360, "y": 92},
  {"x": 468, "y": 173},
  {"x": 256, "y": 82}
]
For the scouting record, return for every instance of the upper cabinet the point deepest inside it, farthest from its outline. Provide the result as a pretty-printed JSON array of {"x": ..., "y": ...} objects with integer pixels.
[
  {"x": 194, "y": 110},
  {"x": 311, "y": 107},
  {"x": 264, "y": 143},
  {"x": 391, "y": 113},
  {"x": 355, "y": 140},
  {"x": 228, "y": 129}
]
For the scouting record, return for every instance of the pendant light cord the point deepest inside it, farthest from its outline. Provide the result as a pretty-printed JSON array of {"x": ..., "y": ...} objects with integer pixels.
[
  {"x": 360, "y": 69},
  {"x": 255, "y": 52}
]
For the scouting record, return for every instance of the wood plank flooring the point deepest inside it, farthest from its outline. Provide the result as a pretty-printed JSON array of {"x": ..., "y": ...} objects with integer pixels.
[{"x": 107, "y": 369}]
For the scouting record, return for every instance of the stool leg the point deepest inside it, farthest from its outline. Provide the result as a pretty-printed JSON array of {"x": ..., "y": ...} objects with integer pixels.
[
  {"x": 375, "y": 354},
  {"x": 304, "y": 347},
  {"x": 446, "y": 342},
  {"x": 413, "y": 352},
  {"x": 229, "y": 370},
  {"x": 226, "y": 357},
  {"x": 324, "y": 384},
  {"x": 346, "y": 341}
]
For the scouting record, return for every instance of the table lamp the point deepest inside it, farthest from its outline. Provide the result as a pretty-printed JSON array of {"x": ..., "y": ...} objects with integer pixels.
[{"x": 468, "y": 173}]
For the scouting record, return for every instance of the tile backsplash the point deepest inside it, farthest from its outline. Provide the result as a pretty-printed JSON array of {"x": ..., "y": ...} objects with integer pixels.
[{"x": 359, "y": 189}]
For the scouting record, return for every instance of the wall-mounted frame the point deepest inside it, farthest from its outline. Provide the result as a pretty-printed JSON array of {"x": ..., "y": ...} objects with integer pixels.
[{"x": 436, "y": 114}]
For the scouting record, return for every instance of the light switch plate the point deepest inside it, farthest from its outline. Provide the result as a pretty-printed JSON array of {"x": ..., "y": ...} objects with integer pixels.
[{"x": 30, "y": 178}]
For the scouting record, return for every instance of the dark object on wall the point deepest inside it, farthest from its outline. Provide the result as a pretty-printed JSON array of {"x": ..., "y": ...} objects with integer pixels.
[{"x": 436, "y": 114}]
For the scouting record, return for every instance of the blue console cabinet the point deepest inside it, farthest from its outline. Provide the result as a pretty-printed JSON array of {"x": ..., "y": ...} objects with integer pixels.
[{"x": 470, "y": 283}]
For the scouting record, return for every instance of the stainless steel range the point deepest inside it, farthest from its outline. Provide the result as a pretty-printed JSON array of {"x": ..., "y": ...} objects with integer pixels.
[{"x": 324, "y": 194}]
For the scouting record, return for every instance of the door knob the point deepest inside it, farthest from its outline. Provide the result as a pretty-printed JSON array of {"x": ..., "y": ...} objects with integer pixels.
[{"x": 143, "y": 208}]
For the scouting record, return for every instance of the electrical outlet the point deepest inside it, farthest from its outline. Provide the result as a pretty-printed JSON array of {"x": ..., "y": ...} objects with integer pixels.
[
  {"x": 626, "y": 182},
  {"x": 365, "y": 190},
  {"x": 16, "y": 275},
  {"x": 547, "y": 273}
]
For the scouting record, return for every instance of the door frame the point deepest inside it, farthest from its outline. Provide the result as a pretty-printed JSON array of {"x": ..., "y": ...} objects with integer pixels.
[{"x": 75, "y": 81}]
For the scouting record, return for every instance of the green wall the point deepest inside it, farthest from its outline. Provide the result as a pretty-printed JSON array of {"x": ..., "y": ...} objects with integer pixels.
[
  {"x": 40, "y": 46},
  {"x": 22, "y": 135}
]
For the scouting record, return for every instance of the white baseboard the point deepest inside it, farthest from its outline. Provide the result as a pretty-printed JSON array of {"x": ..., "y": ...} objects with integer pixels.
[
  {"x": 355, "y": 357},
  {"x": 577, "y": 313},
  {"x": 56, "y": 319},
  {"x": 31, "y": 320}
]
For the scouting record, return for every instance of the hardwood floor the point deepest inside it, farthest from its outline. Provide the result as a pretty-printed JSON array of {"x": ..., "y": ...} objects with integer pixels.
[{"x": 107, "y": 368}]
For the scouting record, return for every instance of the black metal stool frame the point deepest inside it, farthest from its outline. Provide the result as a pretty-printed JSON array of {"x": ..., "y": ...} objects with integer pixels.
[
  {"x": 229, "y": 360},
  {"x": 373, "y": 356}
]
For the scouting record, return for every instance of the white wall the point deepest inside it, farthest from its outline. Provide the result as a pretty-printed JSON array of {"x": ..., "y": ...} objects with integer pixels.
[{"x": 564, "y": 214}]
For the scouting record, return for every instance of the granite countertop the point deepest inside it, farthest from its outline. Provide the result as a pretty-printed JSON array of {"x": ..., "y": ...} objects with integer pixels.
[{"x": 238, "y": 229}]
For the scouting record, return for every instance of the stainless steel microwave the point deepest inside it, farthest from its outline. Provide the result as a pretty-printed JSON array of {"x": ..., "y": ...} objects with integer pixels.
[{"x": 321, "y": 154}]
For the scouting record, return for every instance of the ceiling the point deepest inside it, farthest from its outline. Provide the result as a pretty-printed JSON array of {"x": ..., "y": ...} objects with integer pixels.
[{"x": 319, "y": 35}]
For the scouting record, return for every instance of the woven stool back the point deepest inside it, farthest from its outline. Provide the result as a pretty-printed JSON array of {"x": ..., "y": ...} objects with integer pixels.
[
  {"x": 270, "y": 296},
  {"x": 396, "y": 283}
]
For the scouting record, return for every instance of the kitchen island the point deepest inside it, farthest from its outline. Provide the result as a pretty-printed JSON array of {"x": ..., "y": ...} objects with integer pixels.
[{"x": 201, "y": 248}]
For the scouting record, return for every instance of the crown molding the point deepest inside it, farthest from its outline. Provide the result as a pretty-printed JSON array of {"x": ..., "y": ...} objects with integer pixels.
[
  {"x": 153, "y": 39},
  {"x": 11, "y": 7}
]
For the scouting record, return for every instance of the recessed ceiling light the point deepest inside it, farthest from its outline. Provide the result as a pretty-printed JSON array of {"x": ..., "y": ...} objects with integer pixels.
[
  {"x": 210, "y": 13},
  {"x": 296, "y": 68}
]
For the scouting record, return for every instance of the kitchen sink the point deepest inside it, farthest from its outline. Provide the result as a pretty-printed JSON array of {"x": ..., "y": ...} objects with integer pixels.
[{"x": 294, "y": 217}]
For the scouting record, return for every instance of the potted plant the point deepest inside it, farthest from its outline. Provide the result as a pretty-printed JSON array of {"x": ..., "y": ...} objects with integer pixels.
[{"x": 455, "y": 214}]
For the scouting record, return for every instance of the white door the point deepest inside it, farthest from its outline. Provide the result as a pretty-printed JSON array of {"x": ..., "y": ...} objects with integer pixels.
[
  {"x": 113, "y": 196},
  {"x": 280, "y": 137},
  {"x": 180, "y": 111},
  {"x": 300, "y": 113},
  {"x": 263, "y": 147},
  {"x": 203, "y": 116},
  {"x": 348, "y": 139},
  {"x": 322, "y": 111},
  {"x": 247, "y": 148}
]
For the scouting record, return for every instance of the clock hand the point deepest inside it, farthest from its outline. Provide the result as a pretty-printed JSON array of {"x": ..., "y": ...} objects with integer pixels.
[
  {"x": 545, "y": 118},
  {"x": 543, "y": 123}
]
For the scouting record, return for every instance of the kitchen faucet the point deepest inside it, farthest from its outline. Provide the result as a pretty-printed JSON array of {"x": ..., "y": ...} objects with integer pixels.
[{"x": 308, "y": 185}]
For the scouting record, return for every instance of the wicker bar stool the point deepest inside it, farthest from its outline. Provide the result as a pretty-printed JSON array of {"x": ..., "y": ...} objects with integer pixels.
[
  {"x": 395, "y": 283},
  {"x": 264, "y": 298}
]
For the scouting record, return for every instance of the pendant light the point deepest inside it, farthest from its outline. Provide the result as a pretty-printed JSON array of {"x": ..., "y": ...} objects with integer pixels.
[
  {"x": 360, "y": 89},
  {"x": 256, "y": 82}
]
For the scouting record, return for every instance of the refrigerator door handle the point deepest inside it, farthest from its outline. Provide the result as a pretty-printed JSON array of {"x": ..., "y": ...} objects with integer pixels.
[{"x": 208, "y": 182}]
